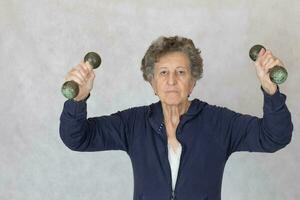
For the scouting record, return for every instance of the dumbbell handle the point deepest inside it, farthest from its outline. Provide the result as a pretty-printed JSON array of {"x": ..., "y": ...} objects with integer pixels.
[
  {"x": 70, "y": 89},
  {"x": 278, "y": 74}
]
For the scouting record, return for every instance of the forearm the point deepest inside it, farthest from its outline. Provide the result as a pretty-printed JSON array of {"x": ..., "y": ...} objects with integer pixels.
[
  {"x": 267, "y": 134},
  {"x": 107, "y": 132},
  {"x": 276, "y": 123},
  {"x": 73, "y": 123}
]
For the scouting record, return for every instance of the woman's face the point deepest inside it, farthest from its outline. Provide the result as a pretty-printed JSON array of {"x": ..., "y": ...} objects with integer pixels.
[{"x": 172, "y": 80}]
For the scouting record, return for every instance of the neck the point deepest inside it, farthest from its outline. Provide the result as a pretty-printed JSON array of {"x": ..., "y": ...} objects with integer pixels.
[{"x": 172, "y": 113}]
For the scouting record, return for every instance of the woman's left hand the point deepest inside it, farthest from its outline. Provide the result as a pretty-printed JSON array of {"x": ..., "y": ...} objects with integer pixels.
[{"x": 265, "y": 61}]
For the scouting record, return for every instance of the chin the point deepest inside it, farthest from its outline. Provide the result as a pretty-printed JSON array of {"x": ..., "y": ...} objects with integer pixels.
[{"x": 172, "y": 100}]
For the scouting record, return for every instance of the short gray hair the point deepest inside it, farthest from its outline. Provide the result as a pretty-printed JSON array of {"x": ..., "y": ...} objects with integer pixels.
[{"x": 163, "y": 45}]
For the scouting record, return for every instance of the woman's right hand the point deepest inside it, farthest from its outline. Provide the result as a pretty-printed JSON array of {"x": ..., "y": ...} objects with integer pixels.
[{"x": 84, "y": 75}]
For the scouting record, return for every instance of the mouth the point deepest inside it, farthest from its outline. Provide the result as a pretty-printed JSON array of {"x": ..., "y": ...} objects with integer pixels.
[{"x": 171, "y": 91}]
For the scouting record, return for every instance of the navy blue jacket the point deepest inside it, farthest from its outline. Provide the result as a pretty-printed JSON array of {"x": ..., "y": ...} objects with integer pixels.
[{"x": 209, "y": 134}]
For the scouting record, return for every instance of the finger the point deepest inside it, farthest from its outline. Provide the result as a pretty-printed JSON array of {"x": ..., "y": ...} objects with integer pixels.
[
  {"x": 267, "y": 53},
  {"x": 92, "y": 75},
  {"x": 270, "y": 63},
  {"x": 73, "y": 78},
  {"x": 89, "y": 72},
  {"x": 261, "y": 52},
  {"x": 267, "y": 60},
  {"x": 267, "y": 56},
  {"x": 260, "y": 57},
  {"x": 82, "y": 66},
  {"x": 76, "y": 74},
  {"x": 87, "y": 67},
  {"x": 278, "y": 62},
  {"x": 77, "y": 78},
  {"x": 263, "y": 55},
  {"x": 84, "y": 73}
]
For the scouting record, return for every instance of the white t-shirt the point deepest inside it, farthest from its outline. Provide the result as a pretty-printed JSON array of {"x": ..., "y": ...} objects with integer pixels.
[{"x": 174, "y": 160}]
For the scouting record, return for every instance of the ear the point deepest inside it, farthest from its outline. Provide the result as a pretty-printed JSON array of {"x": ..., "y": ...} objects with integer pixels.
[
  {"x": 193, "y": 85},
  {"x": 152, "y": 83}
]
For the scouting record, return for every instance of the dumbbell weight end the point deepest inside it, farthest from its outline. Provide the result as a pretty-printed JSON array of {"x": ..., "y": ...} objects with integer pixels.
[
  {"x": 70, "y": 89},
  {"x": 278, "y": 74}
]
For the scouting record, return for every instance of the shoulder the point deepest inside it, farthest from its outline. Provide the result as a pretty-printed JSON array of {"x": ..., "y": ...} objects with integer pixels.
[
  {"x": 207, "y": 107},
  {"x": 132, "y": 113},
  {"x": 137, "y": 109},
  {"x": 213, "y": 111}
]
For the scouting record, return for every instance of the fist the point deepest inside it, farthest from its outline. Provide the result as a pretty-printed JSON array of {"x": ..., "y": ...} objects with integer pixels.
[
  {"x": 84, "y": 75},
  {"x": 264, "y": 62}
]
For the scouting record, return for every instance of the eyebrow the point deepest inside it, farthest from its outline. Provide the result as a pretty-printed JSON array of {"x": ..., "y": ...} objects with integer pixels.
[{"x": 176, "y": 67}]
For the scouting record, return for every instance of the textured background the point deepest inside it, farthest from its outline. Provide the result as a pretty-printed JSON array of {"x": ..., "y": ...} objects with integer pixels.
[{"x": 41, "y": 40}]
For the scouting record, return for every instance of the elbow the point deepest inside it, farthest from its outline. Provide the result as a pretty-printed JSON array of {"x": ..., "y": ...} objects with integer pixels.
[
  {"x": 68, "y": 144},
  {"x": 68, "y": 141},
  {"x": 280, "y": 140},
  {"x": 276, "y": 146},
  {"x": 279, "y": 147},
  {"x": 71, "y": 146},
  {"x": 288, "y": 136}
]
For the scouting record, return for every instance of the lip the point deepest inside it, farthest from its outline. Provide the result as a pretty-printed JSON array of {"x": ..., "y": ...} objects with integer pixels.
[{"x": 172, "y": 91}]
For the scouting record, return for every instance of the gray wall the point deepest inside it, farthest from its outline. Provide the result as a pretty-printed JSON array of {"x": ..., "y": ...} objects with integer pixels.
[{"x": 41, "y": 40}]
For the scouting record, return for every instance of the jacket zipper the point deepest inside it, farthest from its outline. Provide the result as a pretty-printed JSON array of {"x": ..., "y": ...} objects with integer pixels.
[
  {"x": 173, "y": 197},
  {"x": 170, "y": 175},
  {"x": 180, "y": 163}
]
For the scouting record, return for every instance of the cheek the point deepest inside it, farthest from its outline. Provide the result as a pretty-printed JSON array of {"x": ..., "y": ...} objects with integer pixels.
[
  {"x": 157, "y": 86},
  {"x": 188, "y": 87}
]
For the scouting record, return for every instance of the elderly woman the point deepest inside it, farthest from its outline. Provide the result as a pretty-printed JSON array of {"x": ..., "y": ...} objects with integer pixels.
[{"x": 178, "y": 147}]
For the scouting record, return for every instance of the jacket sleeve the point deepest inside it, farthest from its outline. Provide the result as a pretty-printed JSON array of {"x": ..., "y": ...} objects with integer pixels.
[
  {"x": 108, "y": 132},
  {"x": 242, "y": 132}
]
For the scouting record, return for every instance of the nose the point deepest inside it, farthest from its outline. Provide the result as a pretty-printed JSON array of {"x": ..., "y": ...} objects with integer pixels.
[{"x": 172, "y": 79}]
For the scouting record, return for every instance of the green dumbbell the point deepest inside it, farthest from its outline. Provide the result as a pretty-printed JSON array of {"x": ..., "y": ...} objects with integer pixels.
[
  {"x": 278, "y": 74},
  {"x": 70, "y": 89}
]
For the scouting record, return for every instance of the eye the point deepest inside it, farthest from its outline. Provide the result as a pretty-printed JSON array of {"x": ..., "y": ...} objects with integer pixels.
[
  {"x": 163, "y": 72},
  {"x": 181, "y": 72}
]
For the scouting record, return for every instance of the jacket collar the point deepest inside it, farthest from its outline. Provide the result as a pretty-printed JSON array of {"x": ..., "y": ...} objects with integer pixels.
[{"x": 155, "y": 113}]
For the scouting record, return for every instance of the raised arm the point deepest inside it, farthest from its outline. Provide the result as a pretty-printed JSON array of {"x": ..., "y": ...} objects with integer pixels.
[
  {"x": 242, "y": 132},
  {"x": 108, "y": 132}
]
